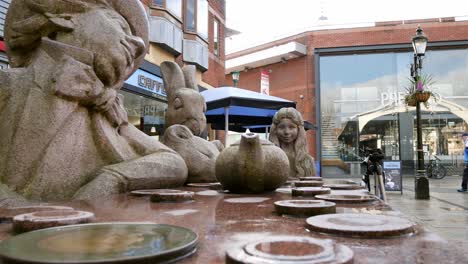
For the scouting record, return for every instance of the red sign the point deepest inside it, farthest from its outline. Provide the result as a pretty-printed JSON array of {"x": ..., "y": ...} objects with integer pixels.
[
  {"x": 265, "y": 82},
  {"x": 2, "y": 46}
]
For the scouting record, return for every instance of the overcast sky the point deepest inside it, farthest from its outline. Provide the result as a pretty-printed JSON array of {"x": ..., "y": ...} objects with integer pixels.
[{"x": 263, "y": 20}]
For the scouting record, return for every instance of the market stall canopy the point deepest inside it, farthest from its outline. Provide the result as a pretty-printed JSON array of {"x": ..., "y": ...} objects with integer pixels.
[
  {"x": 241, "y": 108},
  {"x": 231, "y": 96}
]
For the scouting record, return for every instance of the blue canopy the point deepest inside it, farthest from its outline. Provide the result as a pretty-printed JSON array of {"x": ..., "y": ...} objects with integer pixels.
[{"x": 241, "y": 108}]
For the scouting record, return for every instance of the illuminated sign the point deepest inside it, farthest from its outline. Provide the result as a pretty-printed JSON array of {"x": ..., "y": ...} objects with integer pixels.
[{"x": 149, "y": 83}]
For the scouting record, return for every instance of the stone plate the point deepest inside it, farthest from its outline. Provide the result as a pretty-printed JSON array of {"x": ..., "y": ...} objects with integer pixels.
[
  {"x": 310, "y": 191},
  {"x": 308, "y": 183},
  {"x": 289, "y": 250},
  {"x": 311, "y": 178},
  {"x": 7, "y": 214},
  {"x": 361, "y": 225},
  {"x": 101, "y": 243},
  {"x": 210, "y": 185},
  {"x": 344, "y": 186},
  {"x": 347, "y": 198},
  {"x": 166, "y": 195},
  {"x": 304, "y": 207},
  {"x": 46, "y": 219}
]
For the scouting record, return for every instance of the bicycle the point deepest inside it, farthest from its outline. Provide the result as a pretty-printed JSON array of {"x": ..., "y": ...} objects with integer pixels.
[{"x": 435, "y": 169}]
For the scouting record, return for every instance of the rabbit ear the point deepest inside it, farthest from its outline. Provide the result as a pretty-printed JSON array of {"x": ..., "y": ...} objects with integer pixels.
[
  {"x": 190, "y": 79},
  {"x": 173, "y": 76}
]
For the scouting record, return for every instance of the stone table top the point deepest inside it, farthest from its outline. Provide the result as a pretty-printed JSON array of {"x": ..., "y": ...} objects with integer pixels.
[{"x": 224, "y": 220}]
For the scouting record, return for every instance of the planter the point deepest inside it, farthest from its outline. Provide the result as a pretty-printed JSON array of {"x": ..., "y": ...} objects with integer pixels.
[
  {"x": 412, "y": 102},
  {"x": 422, "y": 96}
]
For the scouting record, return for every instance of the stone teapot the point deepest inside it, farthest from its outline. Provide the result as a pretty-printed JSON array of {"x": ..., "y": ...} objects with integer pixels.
[{"x": 252, "y": 165}]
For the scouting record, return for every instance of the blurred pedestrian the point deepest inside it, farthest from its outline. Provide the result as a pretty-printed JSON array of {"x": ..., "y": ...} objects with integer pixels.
[{"x": 465, "y": 159}]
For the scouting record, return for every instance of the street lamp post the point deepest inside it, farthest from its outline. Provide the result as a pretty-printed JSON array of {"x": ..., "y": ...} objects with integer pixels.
[
  {"x": 421, "y": 182},
  {"x": 235, "y": 77}
]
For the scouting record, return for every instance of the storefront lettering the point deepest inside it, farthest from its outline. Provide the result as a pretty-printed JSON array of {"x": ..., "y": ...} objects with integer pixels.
[
  {"x": 387, "y": 97},
  {"x": 151, "y": 84}
]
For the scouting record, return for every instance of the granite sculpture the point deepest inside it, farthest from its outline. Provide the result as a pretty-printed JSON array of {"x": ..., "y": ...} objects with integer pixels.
[
  {"x": 288, "y": 133},
  {"x": 252, "y": 165},
  {"x": 65, "y": 132},
  {"x": 199, "y": 154},
  {"x": 185, "y": 105}
]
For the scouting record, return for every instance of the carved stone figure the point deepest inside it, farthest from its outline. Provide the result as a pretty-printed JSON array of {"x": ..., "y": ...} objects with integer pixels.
[
  {"x": 186, "y": 106},
  {"x": 63, "y": 127},
  {"x": 199, "y": 154},
  {"x": 287, "y": 132},
  {"x": 252, "y": 165}
]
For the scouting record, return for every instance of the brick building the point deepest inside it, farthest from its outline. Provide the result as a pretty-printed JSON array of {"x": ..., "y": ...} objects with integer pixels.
[{"x": 350, "y": 83}]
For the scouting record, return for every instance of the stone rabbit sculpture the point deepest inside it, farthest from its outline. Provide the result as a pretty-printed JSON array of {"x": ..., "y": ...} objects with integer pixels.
[
  {"x": 199, "y": 154},
  {"x": 186, "y": 106}
]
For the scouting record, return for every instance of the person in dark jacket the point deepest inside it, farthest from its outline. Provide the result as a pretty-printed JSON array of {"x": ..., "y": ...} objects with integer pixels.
[
  {"x": 465, "y": 159},
  {"x": 373, "y": 160}
]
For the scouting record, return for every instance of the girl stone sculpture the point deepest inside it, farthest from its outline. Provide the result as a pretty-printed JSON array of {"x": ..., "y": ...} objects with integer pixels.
[
  {"x": 287, "y": 132},
  {"x": 64, "y": 130}
]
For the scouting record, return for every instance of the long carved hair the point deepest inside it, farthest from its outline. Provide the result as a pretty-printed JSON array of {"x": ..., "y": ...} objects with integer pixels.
[{"x": 304, "y": 162}]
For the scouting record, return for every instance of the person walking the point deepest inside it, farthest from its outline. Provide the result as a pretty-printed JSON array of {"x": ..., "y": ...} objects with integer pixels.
[{"x": 465, "y": 158}]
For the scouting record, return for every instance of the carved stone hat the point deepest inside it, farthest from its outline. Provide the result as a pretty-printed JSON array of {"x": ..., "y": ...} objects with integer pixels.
[{"x": 27, "y": 21}]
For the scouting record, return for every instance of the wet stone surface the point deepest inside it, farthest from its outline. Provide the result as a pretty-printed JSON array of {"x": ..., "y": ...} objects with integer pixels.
[
  {"x": 222, "y": 226},
  {"x": 304, "y": 207}
]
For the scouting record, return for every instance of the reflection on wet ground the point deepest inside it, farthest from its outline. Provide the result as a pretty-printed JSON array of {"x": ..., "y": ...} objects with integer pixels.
[{"x": 224, "y": 220}]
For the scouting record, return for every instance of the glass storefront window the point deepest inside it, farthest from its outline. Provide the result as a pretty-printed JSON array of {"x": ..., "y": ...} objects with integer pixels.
[
  {"x": 145, "y": 113},
  {"x": 366, "y": 92}
]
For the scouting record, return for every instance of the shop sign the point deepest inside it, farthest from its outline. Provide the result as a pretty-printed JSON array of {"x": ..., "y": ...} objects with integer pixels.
[
  {"x": 393, "y": 175},
  {"x": 148, "y": 82},
  {"x": 265, "y": 83},
  {"x": 387, "y": 97}
]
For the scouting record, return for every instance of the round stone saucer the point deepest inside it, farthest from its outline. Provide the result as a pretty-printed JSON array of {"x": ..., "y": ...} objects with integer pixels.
[
  {"x": 308, "y": 183},
  {"x": 290, "y": 250},
  {"x": 309, "y": 191},
  {"x": 361, "y": 225},
  {"x": 311, "y": 178},
  {"x": 167, "y": 195},
  {"x": 347, "y": 198},
  {"x": 304, "y": 207},
  {"x": 344, "y": 186},
  {"x": 45, "y": 219},
  {"x": 7, "y": 214}
]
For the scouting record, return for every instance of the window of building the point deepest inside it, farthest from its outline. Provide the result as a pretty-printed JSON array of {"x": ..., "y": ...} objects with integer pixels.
[
  {"x": 173, "y": 6},
  {"x": 202, "y": 18},
  {"x": 190, "y": 15},
  {"x": 216, "y": 47},
  {"x": 196, "y": 17}
]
